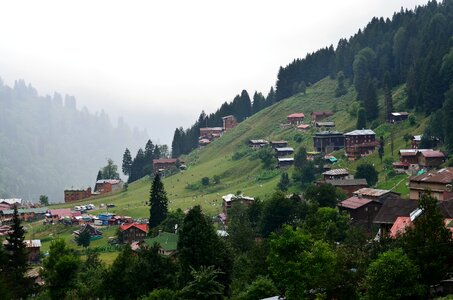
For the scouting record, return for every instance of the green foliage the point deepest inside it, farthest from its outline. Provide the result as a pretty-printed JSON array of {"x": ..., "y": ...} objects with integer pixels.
[
  {"x": 163, "y": 294},
  {"x": 127, "y": 162},
  {"x": 267, "y": 157},
  {"x": 158, "y": 203},
  {"x": 43, "y": 200},
  {"x": 340, "y": 89},
  {"x": 299, "y": 263},
  {"x": 204, "y": 285},
  {"x": 205, "y": 181},
  {"x": 326, "y": 224},
  {"x": 83, "y": 239},
  {"x": 173, "y": 218},
  {"x": 216, "y": 179},
  {"x": 284, "y": 182},
  {"x": 361, "y": 118},
  {"x": 393, "y": 276},
  {"x": 60, "y": 269},
  {"x": 381, "y": 148},
  {"x": 110, "y": 170},
  {"x": 241, "y": 235},
  {"x": 368, "y": 172},
  {"x": 262, "y": 287},
  {"x": 448, "y": 118},
  {"x": 324, "y": 195},
  {"x": 240, "y": 154}
]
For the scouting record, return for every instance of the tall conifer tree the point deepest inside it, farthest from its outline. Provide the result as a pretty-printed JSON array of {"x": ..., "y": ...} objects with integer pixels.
[{"x": 158, "y": 203}]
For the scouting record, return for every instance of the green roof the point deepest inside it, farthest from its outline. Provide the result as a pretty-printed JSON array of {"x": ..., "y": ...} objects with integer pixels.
[
  {"x": 168, "y": 241},
  {"x": 37, "y": 210}
]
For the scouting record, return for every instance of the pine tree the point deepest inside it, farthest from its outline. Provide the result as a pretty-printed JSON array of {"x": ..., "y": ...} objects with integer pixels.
[
  {"x": 84, "y": 239},
  {"x": 381, "y": 148},
  {"x": 361, "y": 118},
  {"x": 17, "y": 257},
  {"x": 158, "y": 203},
  {"x": 388, "y": 96},
  {"x": 284, "y": 182},
  {"x": 127, "y": 162},
  {"x": 99, "y": 176},
  {"x": 340, "y": 89},
  {"x": 448, "y": 119},
  {"x": 370, "y": 102}
]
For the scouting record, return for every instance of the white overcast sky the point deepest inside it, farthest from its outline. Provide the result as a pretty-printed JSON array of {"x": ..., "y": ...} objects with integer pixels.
[{"x": 159, "y": 63}]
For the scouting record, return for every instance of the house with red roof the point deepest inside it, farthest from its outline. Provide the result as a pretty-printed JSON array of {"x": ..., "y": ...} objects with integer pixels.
[
  {"x": 133, "y": 232},
  {"x": 296, "y": 118},
  {"x": 361, "y": 210}
]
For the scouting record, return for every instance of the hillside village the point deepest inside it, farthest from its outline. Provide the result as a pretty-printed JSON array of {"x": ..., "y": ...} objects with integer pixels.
[{"x": 311, "y": 196}]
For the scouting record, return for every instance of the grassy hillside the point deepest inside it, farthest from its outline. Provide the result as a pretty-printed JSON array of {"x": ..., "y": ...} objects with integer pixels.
[{"x": 245, "y": 172}]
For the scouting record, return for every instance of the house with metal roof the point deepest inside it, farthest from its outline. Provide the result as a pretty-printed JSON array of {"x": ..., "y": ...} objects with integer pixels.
[
  {"x": 438, "y": 183},
  {"x": 361, "y": 210},
  {"x": 360, "y": 142}
]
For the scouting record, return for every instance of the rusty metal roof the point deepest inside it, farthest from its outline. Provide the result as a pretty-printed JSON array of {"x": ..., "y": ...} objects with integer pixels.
[
  {"x": 354, "y": 202},
  {"x": 443, "y": 176},
  {"x": 335, "y": 172}
]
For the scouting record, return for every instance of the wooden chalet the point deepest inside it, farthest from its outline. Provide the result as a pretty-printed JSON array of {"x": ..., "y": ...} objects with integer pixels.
[
  {"x": 257, "y": 144},
  {"x": 390, "y": 210},
  {"x": 438, "y": 183},
  {"x": 211, "y": 133},
  {"x": 336, "y": 174},
  {"x": 296, "y": 118},
  {"x": 360, "y": 143},
  {"x": 396, "y": 117},
  {"x": 229, "y": 122},
  {"x": 33, "y": 250},
  {"x": 317, "y": 116},
  {"x": 229, "y": 200},
  {"x": 348, "y": 186},
  {"x": 376, "y": 194},
  {"x": 325, "y": 124},
  {"x": 105, "y": 186},
  {"x": 164, "y": 164},
  {"x": 303, "y": 127},
  {"x": 361, "y": 210},
  {"x": 328, "y": 141},
  {"x": 285, "y": 162},
  {"x": 279, "y": 144},
  {"x": 430, "y": 158},
  {"x": 75, "y": 194},
  {"x": 93, "y": 231},
  {"x": 285, "y": 151},
  {"x": 133, "y": 232}
]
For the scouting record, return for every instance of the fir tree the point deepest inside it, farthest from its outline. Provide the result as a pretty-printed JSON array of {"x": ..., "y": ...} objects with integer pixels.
[
  {"x": 284, "y": 182},
  {"x": 361, "y": 118},
  {"x": 99, "y": 176},
  {"x": 341, "y": 89},
  {"x": 127, "y": 162},
  {"x": 158, "y": 203},
  {"x": 381, "y": 148},
  {"x": 388, "y": 96}
]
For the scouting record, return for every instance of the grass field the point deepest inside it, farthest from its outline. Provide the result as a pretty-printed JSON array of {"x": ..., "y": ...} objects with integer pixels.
[{"x": 246, "y": 173}]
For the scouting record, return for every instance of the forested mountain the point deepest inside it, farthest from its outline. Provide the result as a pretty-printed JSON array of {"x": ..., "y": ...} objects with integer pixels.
[
  {"x": 414, "y": 48},
  {"x": 47, "y": 144}
]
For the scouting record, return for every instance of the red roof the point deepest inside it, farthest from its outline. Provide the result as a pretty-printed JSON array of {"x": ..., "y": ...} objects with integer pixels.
[
  {"x": 432, "y": 153},
  {"x": 142, "y": 227},
  {"x": 354, "y": 202},
  {"x": 400, "y": 225},
  {"x": 443, "y": 176},
  {"x": 61, "y": 212},
  {"x": 296, "y": 115}
]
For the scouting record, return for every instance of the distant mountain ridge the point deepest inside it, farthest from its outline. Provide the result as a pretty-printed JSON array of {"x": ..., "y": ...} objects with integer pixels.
[{"x": 47, "y": 144}]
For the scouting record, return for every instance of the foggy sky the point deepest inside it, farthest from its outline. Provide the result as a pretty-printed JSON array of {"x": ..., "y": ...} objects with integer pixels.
[{"x": 159, "y": 63}]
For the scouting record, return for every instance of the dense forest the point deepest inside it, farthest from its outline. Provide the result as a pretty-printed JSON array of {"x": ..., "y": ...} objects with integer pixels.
[
  {"x": 47, "y": 144},
  {"x": 414, "y": 48}
]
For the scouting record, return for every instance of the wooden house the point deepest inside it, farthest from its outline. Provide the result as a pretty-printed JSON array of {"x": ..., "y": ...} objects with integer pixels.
[
  {"x": 317, "y": 116},
  {"x": 229, "y": 200},
  {"x": 285, "y": 162},
  {"x": 437, "y": 182},
  {"x": 348, "y": 186},
  {"x": 361, "y": 210},
  {"x": 165, "y": 164},
  {"x": 75, "y": 194},
  {"x": 167, "y": 241},
  {"x": 285, "y": 151},
  {"x": 93, "y": 231},
  {"x": 396, "y": 117},
  {"x": 33, "y": 248},
  {"x": 133, "y": 232},
  {"x": 229, "y": 122},
  {"x": 105, "y": 186},
  {"x": 296, "y": 118},
  {"x": 430, "y": 158},
  {"x": 415, "y": 141},
  {"x": 25, "y": 214},
  {"x": 391, "y": 210},
  {"x": 303, "y": 127},
  {"x": 328, "y": 141},
  {"x": 376, "y": 194},
  {"x": 257, "y": 144},
  {"x": 325, "y": 124},
  {"x": 279, "y": 144},
  {"x": 360, "y": 143},
  {"x": 336, "y": 174},
  {"x": 211, "y": 132}
]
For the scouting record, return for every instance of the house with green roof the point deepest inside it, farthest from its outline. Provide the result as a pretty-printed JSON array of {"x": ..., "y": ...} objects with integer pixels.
[{"x": 168, "y": 243}]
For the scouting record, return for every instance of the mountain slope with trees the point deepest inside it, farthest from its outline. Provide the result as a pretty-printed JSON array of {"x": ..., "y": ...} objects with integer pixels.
[{"x": 47, "y": 144}]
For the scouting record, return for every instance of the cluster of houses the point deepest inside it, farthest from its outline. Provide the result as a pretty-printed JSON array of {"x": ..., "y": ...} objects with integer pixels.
[
  {"x": 103, "y": 186},
  {"x": 208, "y": 134}
]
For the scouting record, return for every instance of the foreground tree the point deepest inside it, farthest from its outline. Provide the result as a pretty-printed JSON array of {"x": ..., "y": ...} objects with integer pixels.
[
  {"x": 393, "y": 276},
  {"x": 367, "y": 172},
  {"x": 16, "y": 264},
  {"x": 83, "y": 239},
  {"x": 127, "y": 162},
  {"x": 204, "y": 285},
  {"x": 158, "y": 203},
  {"x": 110, "y": 171},
  {"x": 44, "y": 200}
]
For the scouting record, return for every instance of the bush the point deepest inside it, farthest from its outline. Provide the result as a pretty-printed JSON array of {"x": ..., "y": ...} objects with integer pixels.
[{"x": 216, "y": 179}]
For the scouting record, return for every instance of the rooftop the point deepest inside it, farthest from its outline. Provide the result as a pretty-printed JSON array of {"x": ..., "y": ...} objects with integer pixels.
[
  {"x": 284, "y": 149},
  {"x": 370, "y": 192},
  {"x": 283, "y": 159},
  {"x": 296, "y": 115},
  {"x": 347, "y": 182},
  {"x": 328, "y": 132},
  {"x": 432, "y": 154},
  {"x": 303, "y": 126},
  {"x": 142, "y": 227},
  {"x": 32, "y": 243},
  {"x": 231, "y": 197},
  {"x": 400, "y": 225},
  {"x": 211, "y": 129},
  {"x": 361, "y": 132},
  {"x": 334, "y": 172},
  {"x": 259, "y": 141},
  {"x": 37, "y": 210},
  {"x": 354, "y": 202},
  {"x": 164, "y": 161},
  {"x": 443, "y": 176},
  {"x": 111, "y": 181},
  {"x": 402, "y": 113},
  {"x": 393, "y": 208}
]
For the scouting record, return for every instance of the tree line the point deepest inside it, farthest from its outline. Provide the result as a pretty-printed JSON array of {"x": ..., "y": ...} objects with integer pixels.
[{"x": 241, "y": 107}]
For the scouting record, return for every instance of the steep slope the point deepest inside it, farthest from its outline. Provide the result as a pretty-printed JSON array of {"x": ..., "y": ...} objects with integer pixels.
[{"x": 246, "y": 173}]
